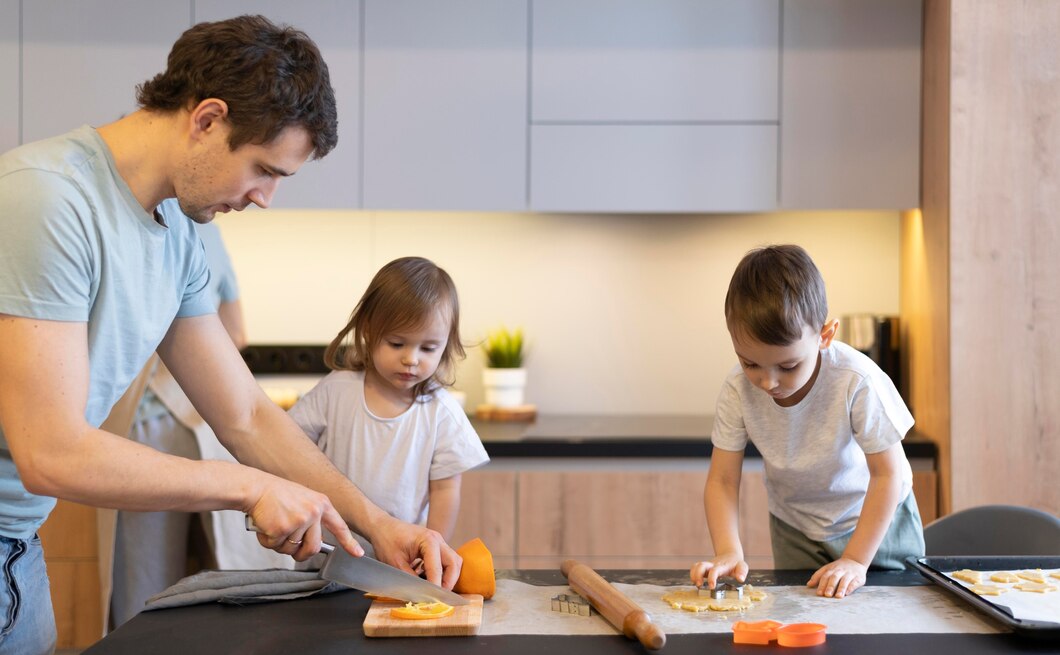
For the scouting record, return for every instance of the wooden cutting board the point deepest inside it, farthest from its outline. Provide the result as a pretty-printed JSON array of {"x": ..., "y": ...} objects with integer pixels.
[{"x": 461, "y": 623}]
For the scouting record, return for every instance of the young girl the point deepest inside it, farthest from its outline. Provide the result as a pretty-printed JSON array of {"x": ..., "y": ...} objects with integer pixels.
[{"x": 383, "y": 415}]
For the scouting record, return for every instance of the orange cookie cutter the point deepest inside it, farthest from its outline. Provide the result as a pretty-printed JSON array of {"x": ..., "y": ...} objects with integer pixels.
[
  {"x": 801, "y": 634},
  {"x": 755, "y": 632},
  {"x": 795, "y": 635}
]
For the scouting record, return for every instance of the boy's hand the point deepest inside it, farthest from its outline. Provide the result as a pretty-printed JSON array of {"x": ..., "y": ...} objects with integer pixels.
[
  {"x": 839, "y": 578},
  {"x": 724, "y": 564}
]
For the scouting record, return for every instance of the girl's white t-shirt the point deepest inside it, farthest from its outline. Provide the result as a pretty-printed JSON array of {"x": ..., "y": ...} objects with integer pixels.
[
  {"x": 816, "y": 473},
  {"x": 391, "y": 460}
]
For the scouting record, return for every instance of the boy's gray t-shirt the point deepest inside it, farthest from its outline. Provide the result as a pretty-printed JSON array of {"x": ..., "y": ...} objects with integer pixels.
[
  {"x": 814, "y": 453},
  {"x": 77, "y": 246}
]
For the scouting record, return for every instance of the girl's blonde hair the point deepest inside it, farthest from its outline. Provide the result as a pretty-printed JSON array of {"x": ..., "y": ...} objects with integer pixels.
[{"x": 402, "y": 296}]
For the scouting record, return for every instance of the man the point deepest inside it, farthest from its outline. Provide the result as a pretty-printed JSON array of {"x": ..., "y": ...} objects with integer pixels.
[{"x": 100, "y": 266}]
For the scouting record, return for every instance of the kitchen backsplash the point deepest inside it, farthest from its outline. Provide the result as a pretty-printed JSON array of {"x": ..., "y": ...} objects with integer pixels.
[{"x": 622, "y": 313}]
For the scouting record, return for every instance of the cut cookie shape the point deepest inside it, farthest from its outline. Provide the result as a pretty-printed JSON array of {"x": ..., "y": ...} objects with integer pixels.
[
  {"x": 988, "y": 589},
  {"x": 1005, "y": 576},
  {"x": 1036, "y": 587},
  {"x": 1033, "y": 576},
  {"x": 967, "y": 575}
]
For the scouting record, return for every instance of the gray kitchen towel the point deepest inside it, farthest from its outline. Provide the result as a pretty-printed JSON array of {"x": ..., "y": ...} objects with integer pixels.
[{"x": 242, "y": 588}]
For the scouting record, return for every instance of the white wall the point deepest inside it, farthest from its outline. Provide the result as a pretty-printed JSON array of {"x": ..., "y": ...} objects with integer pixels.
[{"x": 623, "y": 313}]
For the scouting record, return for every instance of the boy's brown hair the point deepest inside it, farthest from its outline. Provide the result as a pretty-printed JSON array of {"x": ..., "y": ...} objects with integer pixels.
[
  {"x": 774, "y": 294},
  {"x": 271, "y": 78},
  {"x": 402, "y": 296}
]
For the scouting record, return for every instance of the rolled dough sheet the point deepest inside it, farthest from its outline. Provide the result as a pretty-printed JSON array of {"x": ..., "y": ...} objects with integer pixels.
[
  {"x": 520, "y": 608},
  {"x": 691, "y": 600}
]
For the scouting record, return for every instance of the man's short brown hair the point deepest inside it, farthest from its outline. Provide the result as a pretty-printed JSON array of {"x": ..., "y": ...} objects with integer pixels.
[
  {"x": 272, "y": 77},
  {"x": 774, "y": 294}
]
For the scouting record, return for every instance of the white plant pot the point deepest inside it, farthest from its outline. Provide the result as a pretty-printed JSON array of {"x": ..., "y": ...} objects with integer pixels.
[{"x": 505, "y": 387}]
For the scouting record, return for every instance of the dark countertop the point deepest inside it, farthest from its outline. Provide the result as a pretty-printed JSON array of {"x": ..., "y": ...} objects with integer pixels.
[
  {"x": 331, "y": 624},
  {"x": 622, "y": 436},
  {"x": 633, "y": 436}
]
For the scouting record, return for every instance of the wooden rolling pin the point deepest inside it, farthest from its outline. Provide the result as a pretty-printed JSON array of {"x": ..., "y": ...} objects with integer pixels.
[{"x": 615, "y": 606}]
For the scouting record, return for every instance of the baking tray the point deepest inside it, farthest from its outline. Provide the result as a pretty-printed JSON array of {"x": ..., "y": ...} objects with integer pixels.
[{"x": 932, "y": 568}]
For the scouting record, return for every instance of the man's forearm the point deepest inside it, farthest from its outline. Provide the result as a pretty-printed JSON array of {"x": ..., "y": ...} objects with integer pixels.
[{"x": 104, "y": 470}]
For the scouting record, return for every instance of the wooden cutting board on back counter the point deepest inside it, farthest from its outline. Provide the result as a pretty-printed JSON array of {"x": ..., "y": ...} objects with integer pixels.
[{"x": 464, "y": 621}]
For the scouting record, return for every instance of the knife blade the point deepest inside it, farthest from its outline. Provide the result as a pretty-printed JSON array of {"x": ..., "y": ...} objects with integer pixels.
[
  {"x": 372, "y": 576},
  {"x": 375, "y": 577}
]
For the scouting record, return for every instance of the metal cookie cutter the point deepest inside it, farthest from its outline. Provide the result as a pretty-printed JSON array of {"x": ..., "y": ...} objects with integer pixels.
[
  {"x": 571, "y": 604},
  {"x": 726, "y": 587}
]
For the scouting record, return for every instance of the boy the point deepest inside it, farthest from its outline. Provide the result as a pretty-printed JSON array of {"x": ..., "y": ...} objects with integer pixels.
[{"x": 829, "y": 425}]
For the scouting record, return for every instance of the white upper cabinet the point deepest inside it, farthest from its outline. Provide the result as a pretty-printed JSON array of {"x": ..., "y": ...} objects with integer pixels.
[
  {"x": 850, "y": 117},
  {"x": 654, "y": 168},
  {"x": 445, "y": 105},
  {"x": 657, "y": 61},
  {"x": 81, "y": 61},
  {"x": 668, "y": 105},
  {"x": 335, "y": 26},
  {"x": 542, "y": 105},
  {"x": 9, "y": 60}
]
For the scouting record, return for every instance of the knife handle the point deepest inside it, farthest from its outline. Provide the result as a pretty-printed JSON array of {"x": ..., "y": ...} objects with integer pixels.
[
  {"x": 325, "y": 548},
  {"x": 615, "y": 606}
]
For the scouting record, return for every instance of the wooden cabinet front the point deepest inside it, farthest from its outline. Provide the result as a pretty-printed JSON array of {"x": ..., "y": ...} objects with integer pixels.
[
  {"x": 612, "y": 518},
  {"x": 487, "y": 511},
  {"x": 637, "y": 517},
  {"x": 71, "y": 553}
]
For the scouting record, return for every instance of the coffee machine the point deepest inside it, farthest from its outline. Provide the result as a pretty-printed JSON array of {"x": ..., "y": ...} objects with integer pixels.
[{"x": 877, "y": 337}]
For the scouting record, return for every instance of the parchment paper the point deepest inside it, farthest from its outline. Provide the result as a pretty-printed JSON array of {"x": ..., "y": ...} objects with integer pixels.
[
  {"x": 520, "y": 608},
  {"x": 1025, "y": 605}
]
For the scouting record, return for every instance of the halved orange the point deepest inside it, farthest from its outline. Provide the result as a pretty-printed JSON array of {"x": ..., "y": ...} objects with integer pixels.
[
  {"x": 477, "y": 575},
  {"x": 422, "y": 611}
]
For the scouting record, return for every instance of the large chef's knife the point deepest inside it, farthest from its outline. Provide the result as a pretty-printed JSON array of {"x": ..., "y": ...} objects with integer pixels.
[{"x": 374, "y": 577}]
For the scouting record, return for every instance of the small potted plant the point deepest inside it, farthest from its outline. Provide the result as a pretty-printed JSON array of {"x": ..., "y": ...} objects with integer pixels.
[{"x": 504, "y": 377}]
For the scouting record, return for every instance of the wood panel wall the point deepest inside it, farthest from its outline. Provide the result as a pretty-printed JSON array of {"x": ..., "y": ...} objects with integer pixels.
[
  {"x": 925, "y": 263},
  {"x": 981, "y": 278}
]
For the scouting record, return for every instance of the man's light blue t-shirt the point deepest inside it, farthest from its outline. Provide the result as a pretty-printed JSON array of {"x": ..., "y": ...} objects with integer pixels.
[
  {"x": 223, "y": 288},
  {"x": 77, "y": 246}
]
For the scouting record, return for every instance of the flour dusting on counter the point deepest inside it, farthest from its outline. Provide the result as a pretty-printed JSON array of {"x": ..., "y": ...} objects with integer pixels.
[{"x": 520, "y": 608}]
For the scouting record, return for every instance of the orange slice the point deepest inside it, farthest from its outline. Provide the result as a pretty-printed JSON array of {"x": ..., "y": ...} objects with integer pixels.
[{"x": 422, "y": 611}]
